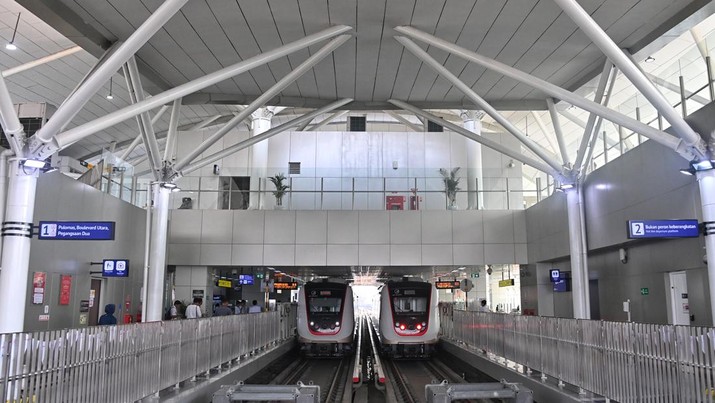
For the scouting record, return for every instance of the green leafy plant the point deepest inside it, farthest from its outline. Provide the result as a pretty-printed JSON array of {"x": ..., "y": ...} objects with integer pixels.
[
  {"x": 451, "y": 184},
  {"x": 281, "y": 188}
]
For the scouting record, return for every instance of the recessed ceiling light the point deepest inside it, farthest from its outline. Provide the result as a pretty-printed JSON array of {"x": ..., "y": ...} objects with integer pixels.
[{"x": 10, "y": 46}]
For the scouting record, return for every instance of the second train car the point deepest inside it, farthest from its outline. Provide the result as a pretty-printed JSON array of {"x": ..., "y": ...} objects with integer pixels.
[
  {"x": 326, "y": 319},
  {"x": 409, "y": 319}
]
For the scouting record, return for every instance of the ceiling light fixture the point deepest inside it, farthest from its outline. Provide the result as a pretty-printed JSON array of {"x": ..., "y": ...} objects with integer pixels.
[
  {"x": 649, "y": 59},
  {"x": 110, "y": 96},
  {"x": 11, "y": 45}
]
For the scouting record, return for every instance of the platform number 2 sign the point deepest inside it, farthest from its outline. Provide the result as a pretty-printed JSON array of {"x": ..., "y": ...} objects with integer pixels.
[{"x": 637, "y": 229}]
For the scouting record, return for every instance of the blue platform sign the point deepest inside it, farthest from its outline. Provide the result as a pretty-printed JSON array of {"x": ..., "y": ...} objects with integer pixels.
[
  {"x": 115, "y": 268},
  {"x": 638, "y": 229},
  {"x": 77, "y": 230}
]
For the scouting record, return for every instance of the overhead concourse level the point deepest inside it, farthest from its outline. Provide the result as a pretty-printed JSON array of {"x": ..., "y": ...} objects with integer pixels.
[{"x": 545, "y": 168}]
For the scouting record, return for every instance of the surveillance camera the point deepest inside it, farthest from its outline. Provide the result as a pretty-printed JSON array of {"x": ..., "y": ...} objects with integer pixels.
[
  {"x": 489, "y": 270},
  {"x": 622, "y": 255}
]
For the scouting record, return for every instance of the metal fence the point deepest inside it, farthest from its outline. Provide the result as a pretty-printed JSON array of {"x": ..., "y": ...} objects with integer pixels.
[
  {"x": 626, "y": 362},
  {"x": 129, "y": 362}
]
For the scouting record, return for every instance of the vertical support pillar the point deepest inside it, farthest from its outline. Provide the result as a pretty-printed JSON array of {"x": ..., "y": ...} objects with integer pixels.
[
  {"x": 157, "y": 255},
  {"x": 472, "y": 122},
  {"x": 706, "y": 182},
  {"x": 261, "y": 122},
  {"x": 579, "y": 265},
  {"x": 16, "y": 236}
]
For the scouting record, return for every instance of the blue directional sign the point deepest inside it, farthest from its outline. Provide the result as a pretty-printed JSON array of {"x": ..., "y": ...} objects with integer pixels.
[
  {"x": 115, "y": 268},
  {"x": 638, "y": 229},
  {"x": 77, "y": 230}
]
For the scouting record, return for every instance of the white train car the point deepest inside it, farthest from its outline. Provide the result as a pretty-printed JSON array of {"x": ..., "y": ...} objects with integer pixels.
[
  {"x": 409, "y": 319},
  {"x": 326, "y": 319}
]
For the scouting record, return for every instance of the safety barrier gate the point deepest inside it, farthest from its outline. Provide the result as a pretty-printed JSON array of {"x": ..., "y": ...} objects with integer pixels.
[
  {"x": 626, "y": 362},
  {"x": 129, "y": 362}
]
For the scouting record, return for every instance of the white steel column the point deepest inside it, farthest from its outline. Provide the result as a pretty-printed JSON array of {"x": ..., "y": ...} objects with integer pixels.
[
  {"x": 258, "y": 158},
  {"x": 17, "y": 232},
  {"x": 171, "y": 134},
  {"x": 579, "y": 266},
  {"x": 157, "y": 257},
  {"x": 706, "y": 182},
  {"x": 472, "y": 122},
  {"x": 3, "y": 187}
]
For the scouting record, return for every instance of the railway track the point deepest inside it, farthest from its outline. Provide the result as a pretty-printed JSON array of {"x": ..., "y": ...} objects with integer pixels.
[{"x": 330, "y": 374}]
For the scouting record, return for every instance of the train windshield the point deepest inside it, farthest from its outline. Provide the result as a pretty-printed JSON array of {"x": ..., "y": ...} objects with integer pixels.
[
  {"x": 409, "y": 304},
  {"x": 325, "y": 305}
]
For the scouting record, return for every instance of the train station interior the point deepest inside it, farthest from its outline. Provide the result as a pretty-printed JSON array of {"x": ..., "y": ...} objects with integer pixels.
[{"x": 357, "y": 200}]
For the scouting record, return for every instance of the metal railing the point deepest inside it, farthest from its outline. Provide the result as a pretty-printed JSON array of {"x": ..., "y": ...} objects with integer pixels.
[
  {"x": 626, "y": 362},
  {"x": 130, "y": 362}
]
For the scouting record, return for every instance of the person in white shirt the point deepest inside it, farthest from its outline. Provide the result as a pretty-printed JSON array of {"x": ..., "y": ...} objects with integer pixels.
[
  {"x": 483, "y": 306},
  {"x": 193, "y": 311},
  {"x": 255, "y": 308}
]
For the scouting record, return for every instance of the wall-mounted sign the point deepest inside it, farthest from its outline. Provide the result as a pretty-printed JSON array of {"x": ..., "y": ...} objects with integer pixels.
[
  {"x": 84, "y": 305},
  {"x": 466, "y": 285},
  {"x": 645, "y": 291},
  {"x": 77, "y": 230},
  {"x": 65, "y": 289},
  {"x": 115, "y": 268},
  {"x": 561, "y": 286},
  {"x": 197, "y": 293},
  {"x": 506, "y": 283},
  {"x": 245, "y": 279},
  {"x": 555, "y": 275},
  {"x": 290, "y": 285},
  {"x": 224, "y": 283},
  {"x": 446, "y": 285},
  {"x": 39, "y": 280},
  {"x": 638, "y": 229}
]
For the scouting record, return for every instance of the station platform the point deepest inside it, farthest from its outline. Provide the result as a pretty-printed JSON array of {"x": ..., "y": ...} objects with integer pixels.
[{"x": 559, "y": 360}]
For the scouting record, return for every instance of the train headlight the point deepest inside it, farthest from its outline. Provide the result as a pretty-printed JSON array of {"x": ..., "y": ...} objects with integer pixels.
[
  {"x": 419, "y": 327},
  {"x": 397, "y": 324},
  {"x": 402, "y": 327},
  {"x": 312, "y": 323},
  {"x": 337, "y": 323},
  {"x": 424, "y": 324}
]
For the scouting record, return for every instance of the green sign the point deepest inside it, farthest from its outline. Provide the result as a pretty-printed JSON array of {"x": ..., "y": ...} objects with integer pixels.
[
  {"x": 475, "y": 275},
  {"x": 644, "y": 291}
]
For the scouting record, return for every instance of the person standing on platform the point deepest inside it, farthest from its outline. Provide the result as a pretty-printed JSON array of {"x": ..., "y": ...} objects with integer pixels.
[
  {"x": 255, "y": 308},
  {"x": 193, "y": 311},
  {"x": 223, "y": 309},
  {"x": 108, "y": 317},
  {"x": 483, "y": 306}
]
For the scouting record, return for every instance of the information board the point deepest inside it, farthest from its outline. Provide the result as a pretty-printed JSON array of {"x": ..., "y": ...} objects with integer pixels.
[
  {"x": 245, "y": 279},
  {"x": 506, "y": 283},
  {"x": 446, "y": 285},
  {"x": 77, "y": 230},
  {"x": 115, "y": 268},
  {"x": 292, "y": 285},
  {"x": 224, "y": 283},
  {"x": 638, "y": 229}
]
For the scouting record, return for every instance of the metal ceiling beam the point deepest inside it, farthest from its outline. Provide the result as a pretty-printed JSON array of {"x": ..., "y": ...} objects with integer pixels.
[
  {"x": 479, "y": 101},
  {"x": 205, "y": 122},
  {"x": 327, "y": 120},
  {"x": 556, "y": 122},
  {"x": 263, "y": 136},
  {"x": 41, "y": 61},
  {"x": 479, "y": 139},
  {"x": 676, "y": 88},
  {"x": 404, "y": 121},
  {"x": 597, "y": 127},
  {"x": 555, "y": 91},
  {"x": 630, "y": 70},
  {"x": 260, "y": 101},
  {"x": 136, "y": 93},
  {"x": 138, "y": 139},
  {"x": 14, "y": 131},
  {"x": 171, "y": 133},
  {"x": 542, "y": 127},
  {"x": 75, "y": 134},
  {"x": 608, "y": 72},
  {"x": 74, "y": 104}
]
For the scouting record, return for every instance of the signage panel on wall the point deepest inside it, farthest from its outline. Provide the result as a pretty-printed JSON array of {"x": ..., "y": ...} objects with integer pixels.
[
  {"x": 115, "y": 268},
  {"x": 224, "y": 283},
  {"x": 506, "y": 283},
  {"x": 77, "y": 230},
  {"x": 65, "y": 289},
  {"x": 446, "y": 285},
  {"x": 292, "y": 285},
  {"x": 39, "y": 280},
  {"x": 638, "y": 229},
  {"x": 245, "y": 279}
]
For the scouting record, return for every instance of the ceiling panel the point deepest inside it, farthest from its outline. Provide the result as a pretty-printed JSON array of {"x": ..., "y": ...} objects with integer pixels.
[{"x": 343, "y": 12}]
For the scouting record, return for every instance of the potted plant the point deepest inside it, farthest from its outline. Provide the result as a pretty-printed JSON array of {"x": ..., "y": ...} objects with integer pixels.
[
  {"x": 281, "y": 188},
  {"x": 451, "y": 186}
]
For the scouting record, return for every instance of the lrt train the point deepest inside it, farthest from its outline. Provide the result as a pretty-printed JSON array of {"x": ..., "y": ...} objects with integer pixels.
[
  {"x": 326, "y": 319},
  {"x": 409, "y": 319}
]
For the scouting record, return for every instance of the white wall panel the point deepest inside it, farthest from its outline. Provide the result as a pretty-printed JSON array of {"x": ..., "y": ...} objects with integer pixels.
[
  {"x": 248, "y": 226},
  {"x": 468, "y": 226},
  {"x": 342, "y": 255},
  {"x": 374, "y": 227},
  {"x": 373, "y": 255},
  {"x": 279, "y": 255},
  {"x": 247, "y": 255},
  {"x": 499, "y": 253},
  {"x": 217, "y": 226},
  {"x": 343, "y": 227},
  {"x": 280, "y": 227},
  {"x": 311, "y": 227},
  {"x": 438, "y": 255},
  {"x": 215, "y": 254},
  {"x": 406, "y": 255},
  {"x": 498, "y": 226},
  {"x": 468, "y": 254},
  {"x": 188, "y": 254},
  {"x": 311, "y": 255},
  {"x": 185, "y": 226},
  {"x": 437, "y": 227},
  {"x": 405, "y": 227}
]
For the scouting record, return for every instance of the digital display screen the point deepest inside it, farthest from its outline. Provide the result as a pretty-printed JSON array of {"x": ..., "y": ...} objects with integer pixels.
[
  {"x": 286, "y": 286},
  {"x": 447, "y": 285},
  {"x": 245, "y": 279},
  {"x": 326, "y": 293},
  {"x": 555, "y": 275},
  {"x": 224, "y": 283}
]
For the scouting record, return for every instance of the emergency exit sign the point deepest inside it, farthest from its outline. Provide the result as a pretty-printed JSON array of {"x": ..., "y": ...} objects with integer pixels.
[{"x": 644, "y": 291}]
